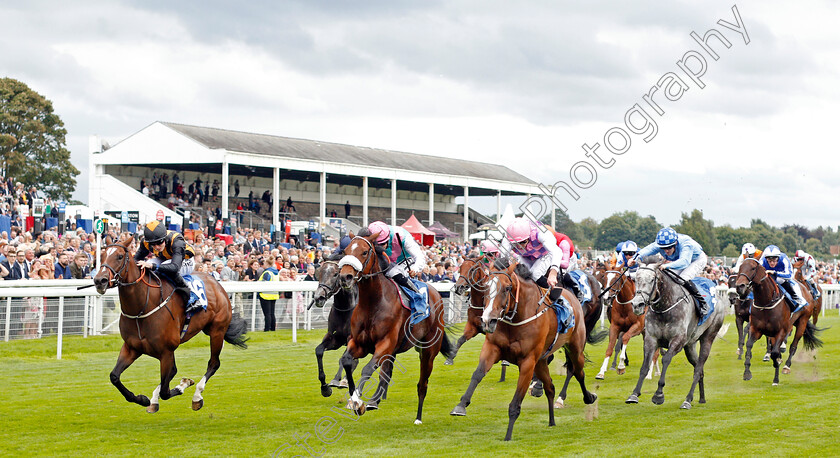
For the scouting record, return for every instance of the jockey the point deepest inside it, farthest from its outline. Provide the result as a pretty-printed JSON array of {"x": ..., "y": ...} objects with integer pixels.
[
  {"x": 535, "y": 246},
  {"x": 626, "y": 251},
  {"x": 490, "y": 250},
  {"x": 400, "y": 248},
  {"x": 808, "y": 269},
  {"x": 777, "y": 263},
  {"x": 747, "y": 251},
  {"x": 172, "y": 255},
  {"x": 683, "y": 256}
]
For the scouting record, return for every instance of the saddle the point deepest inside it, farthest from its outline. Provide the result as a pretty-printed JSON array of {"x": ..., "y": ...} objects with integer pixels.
[{"x": 417, "y": 304}]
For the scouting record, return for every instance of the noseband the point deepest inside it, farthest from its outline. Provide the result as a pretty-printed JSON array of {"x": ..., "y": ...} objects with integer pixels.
[
  {"x": 359, "y": 266},
  {"x": 655, "y": 290},
  {"x": 509, "y": 315},
  {"x": 750, "y": 279},
  {"x": 115, "y": 278}
]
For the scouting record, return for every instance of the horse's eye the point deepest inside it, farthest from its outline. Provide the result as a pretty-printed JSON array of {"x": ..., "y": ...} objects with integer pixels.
[
  {"x": 365, "y": 253},
  {"x": 119, "y": 257},
  {"x": 507, "y": 289}
]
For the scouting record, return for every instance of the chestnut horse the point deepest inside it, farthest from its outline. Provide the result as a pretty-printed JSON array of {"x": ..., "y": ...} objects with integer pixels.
[
  {"x": 801, "y": 279},
  {"x": 619, "y": 290},
  {"x": 382, "y": 326},
  {"x": 148, "y": 330},
  {"x": 771, "y": 316},
  {"x": 519, "y": 329},
  {"x": 471, "y": 279}
]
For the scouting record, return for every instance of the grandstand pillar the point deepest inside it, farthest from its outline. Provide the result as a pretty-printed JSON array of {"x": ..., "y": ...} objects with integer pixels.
[
  {"x": 466, "y": 213},
  {"x": 323, "y": 207},
  {"x": 225, "y": 193},
  {"x": 499, "y": 206},
  {"x": 553, "y": 216},
  {"x": 365, "y": 221},
  {"x": 275, "y": 203},
  {"x": 431, "y": 203},
  {"x": 394, "y": 202}
]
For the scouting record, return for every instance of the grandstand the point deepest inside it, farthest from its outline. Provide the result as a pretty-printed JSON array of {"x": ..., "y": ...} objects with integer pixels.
[{"x": 319, "y": 177}]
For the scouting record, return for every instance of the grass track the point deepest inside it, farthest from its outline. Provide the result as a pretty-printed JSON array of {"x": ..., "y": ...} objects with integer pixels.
[{"x": 263, "y": 397}]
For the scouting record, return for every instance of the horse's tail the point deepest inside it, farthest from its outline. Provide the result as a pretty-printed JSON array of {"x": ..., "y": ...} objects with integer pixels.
[
  {"x": 809, "y": 338},
  {"x": 235, "y": 334},
  {"x": 447, "y": 348},
  {"x": 596, "y": 337}
]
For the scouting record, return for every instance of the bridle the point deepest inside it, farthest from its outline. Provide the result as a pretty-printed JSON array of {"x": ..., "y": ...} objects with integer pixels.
[
  {"x": 469, "y": 279},
  {"x": 649, "y": 302},
  {"x": 777, "y": 293},
  {"x": 359, "y": 266},
  {"x": 115, "y": 277},
  {"x": 331, "y": 290},
  {"x": 612, "y": 292},
  {"x": 507, "y": 314}
]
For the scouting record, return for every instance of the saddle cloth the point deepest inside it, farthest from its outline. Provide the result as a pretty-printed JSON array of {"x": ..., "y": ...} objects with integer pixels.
[
  {"x": 197, "y": 295},
  {"x": 565, "y": 315},
  {"x": 707, "y": 290},
  {"x": 418, "y": 304},
  {"x": 582, "y": 281},
  {"x": 795, "y": 307}
]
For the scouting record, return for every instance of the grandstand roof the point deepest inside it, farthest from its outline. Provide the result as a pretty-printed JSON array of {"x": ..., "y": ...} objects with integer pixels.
[{"x": 296, "y": 148}]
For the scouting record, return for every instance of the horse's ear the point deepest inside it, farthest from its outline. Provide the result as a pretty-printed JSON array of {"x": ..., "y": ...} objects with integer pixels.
[
  {"x": 372, "y": 237},
  {"x": 351, "y": 235}
]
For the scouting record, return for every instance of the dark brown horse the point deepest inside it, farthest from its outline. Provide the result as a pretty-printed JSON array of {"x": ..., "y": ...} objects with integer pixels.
[
  {"x": 801, "y": 279},
  {"x": 741, "y": 308},
  {"x": 521, "y": 328},
  {"x": 152, "y": 319},
  {"x": 619, "y": 290},
  {"x": 471, "y": 279},
  {"x": 381, "y": 326},
  {"x": 771, "y": 316}
]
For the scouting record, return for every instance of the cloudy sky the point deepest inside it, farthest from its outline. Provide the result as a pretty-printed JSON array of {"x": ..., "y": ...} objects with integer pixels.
[{"x": 524, "y": 84}]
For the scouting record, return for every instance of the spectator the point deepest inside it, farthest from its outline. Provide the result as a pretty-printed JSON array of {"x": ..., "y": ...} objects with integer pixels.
[
  {"x": 253, "y": 271},
  {"x": 228, "y": 272},
  {"x": 62, "y": 268},
  {"x": 20, "y": 269},
  {"x": 347, "y": 210},
  {"x": 79, "y": 268},
  {"x": 289, "y": 205},
  {"x": 310, "y": 273},
  {"x": 236, "y": 188},
  {"x": 268, "y": 299}
]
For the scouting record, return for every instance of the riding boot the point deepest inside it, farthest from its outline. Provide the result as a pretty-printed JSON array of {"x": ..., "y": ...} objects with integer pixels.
[
  {"x": 570, "y": 283},
  {"x": 403, "y": 281},
  {"x": 184, "y": 289},
  {"x": 702, "y": 307},
  {"x": 814, "y": 291}
]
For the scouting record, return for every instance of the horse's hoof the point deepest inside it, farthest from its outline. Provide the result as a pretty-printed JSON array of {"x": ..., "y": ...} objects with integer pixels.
[
  {"x": 738, "y": 352},
  {"x": 620, "y": 371},
  {"x": 459, "y": 411},
  {"x": 153, "y": 408},
  {"x": 739, "y": 356},
  {"x": 747, "y": 376},
  {"x": 599, "y": 376},
  {"x": 786, "y": 370},
  {"x": 334, "y": 383},
  {"x": 342, "y": 383},
  {"x": 143, "y": 400},
  {"x": 775, "y": 383},
  {"x": 197, "y": 405},
  {"x": 536, "y": 389},
  {"x": 685, "y": 405},
  {"x": 418, "y": 422},
  {"x": 591, "y": 399},
  {"x": 188, "y": 381},
  {"x": 449, "y": 362},
  {"x": 358, "y": 407},
  {"x": 505, "y": 363},
  {"x": 559, "y": 403},
  {"x": 326, "y": 391},
  {"x": 658, "y": 399},
  {"x": 702, "y": 400},
  {"x": 766, "y": 357},
  {"x": 372, "y": 405},
  {"x": 633, "y": 399}
]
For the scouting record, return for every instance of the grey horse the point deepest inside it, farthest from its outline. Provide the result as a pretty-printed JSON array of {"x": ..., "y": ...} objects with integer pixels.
[{"x": 672, "y": 323}]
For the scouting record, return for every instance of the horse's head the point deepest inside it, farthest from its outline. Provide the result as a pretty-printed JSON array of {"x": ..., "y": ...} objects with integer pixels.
[
  {"x": 116, "y": 262},
  {"x": 360, "y": 259},
  {"x": 750, "y": 273},
  {"x": 647, "y": 283},
  {"x": 732, "y": 292},
  {"x": 471, "y": 275},
  {"x": 502, "y": 297},
  {"x": 328, "y": 284}
]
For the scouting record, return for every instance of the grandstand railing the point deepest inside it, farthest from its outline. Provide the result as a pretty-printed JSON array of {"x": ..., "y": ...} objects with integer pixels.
[{"x": 39, "y": 308}]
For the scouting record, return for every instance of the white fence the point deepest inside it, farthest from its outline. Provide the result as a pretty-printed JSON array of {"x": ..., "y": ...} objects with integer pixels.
[{"x": 32, "y": 309}]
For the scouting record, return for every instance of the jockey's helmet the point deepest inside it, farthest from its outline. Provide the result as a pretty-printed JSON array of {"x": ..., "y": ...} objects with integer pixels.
[
  {"x": 518, "y": 230},
  {"x": 666, "y": 238},
  {"x": 154, "y": 232},
  {"x": 629, "y": 248},
  {"x": 489, "y": 246},
  {"x": 748, "y": 249},
  {"x": 381, "y": 228},
  {"x": 800, "y": 254},
  {"x": 772, "y": 251}
]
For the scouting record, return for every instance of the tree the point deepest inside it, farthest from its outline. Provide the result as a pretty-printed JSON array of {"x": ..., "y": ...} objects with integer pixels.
[
  {"x": 611, "y": 231},
  {"x": 700, "y": 229},
  {"x": 32, "y": 141},
  {"x": 646, "y": 230},
  {"x": 731, "y": 251}
]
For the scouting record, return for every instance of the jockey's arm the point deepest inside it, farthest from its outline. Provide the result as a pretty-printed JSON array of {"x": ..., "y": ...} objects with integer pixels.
[
  {"x": 559, "y": 258},
  {"x": 684, "y": 259},
  {"x": 174, "y": 267},
  {"x": 142, "y": 253},
  {"x": 649, "y": 250},
  {"x": 787, "y": 269},
  {"x": 418, "y": 259}
]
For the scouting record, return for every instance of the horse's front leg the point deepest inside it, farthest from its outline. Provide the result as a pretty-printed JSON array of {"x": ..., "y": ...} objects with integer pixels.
[
  {"x": 526, "y": 372},
  {"x": 470, "y": 331},
  {"x": 543, "y": 373},
  {"x": 776, "y": 353},
  {"x": 801, "y": 324},
  {"x": 649, "y": 349},
  {"x": 489, "y": 357},
  {"x": 127, "y": 356},
  {"x": 739, "y": 325},
  {"x": 752, "y": 336},
  {"x": 168, "y": 369},
  {"x": 673, "y": 348},
  {"x": 328, "y": 343},
  {"x": 608, "y": 354},
  {"x": 353, "y": 352}
]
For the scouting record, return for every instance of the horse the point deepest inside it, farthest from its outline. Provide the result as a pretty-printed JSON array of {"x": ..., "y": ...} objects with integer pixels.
[
  {"x": 382, "y": 326},
  {"x": 619, "y": 290},
  {"x": 148, "y": 330},
  {"x": 471, "y": 279},
  {"x": 771, "y": 316},
  {"x": 338, "y": 322},
  {"x": 519, "y": 330},
  {"x": 815, "y": 316},
  {"x": 671, "y": 322}
]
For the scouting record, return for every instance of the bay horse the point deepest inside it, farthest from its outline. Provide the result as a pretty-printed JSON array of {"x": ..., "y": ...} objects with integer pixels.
[
  {"x": 381, "y": 326},
  {"x": 338, "y": 322},
  {"x": 770, "y": 316},
  {"x": 671, "y": 322},
  {"x": 146, "y": 329},
  {"x": 815, "y": 316},
  {"x": 519, "y": 329},
  {"x": 619, "y": 290}
]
